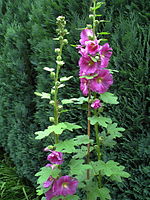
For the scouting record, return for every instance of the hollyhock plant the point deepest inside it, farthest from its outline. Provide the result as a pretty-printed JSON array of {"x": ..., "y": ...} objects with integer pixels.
[
  {"x": 55, "y": 157},
  {"x": 65, "y": 185},
  {"x": 86, "y": 35},
  {"x": 102, "y": 81},
  {"x": 96, "y": 104}
]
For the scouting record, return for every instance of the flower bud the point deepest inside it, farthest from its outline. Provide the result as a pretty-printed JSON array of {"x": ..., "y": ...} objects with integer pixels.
[
  {"x": 60, "y": 37},
  {"x": 60, "y": 63},
  {"x": 51, "y": 102},
  {"x": 91, "y": 16},
  {"x": 51, "y": 119},
  {"x": 60, "y": 107},
  {"x": 96, "y": 22},
  {"x": 52, "y": 92},
  {"x": 59, "y": 58},
  {"x": 65, "y": 41},
  {"x": 57, "y": 50},
  {"x": 52, "y": 74},
  {"x": 89, "y": 26}
]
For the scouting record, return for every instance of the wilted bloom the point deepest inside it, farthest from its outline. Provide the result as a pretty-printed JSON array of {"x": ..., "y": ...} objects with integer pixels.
[
  {"x": 55, "y": 157},
  {"x": 87, "y": 65},
  {"x": 96, "y": 104},
  {"x": 65, "y": 185},
  {"x": 86, "y": 34},
  {"x": 102, "y": 81},
  {"x": 84, "y": 86}
]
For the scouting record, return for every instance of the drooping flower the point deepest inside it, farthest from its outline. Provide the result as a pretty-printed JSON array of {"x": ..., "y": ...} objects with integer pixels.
[
  {"x": 65, "y": 185},
  {"x": 96, "y": 104},
  {"x": 102, "y": 81},
  {"x": 55, "y": 157},
  {"x": 86, "y": 34},
  {"x": 87, "y": 65}
]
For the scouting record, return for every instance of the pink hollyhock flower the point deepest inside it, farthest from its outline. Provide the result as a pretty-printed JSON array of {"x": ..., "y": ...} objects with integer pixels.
[
  {"x": 84, "y": 84},
  {"x": 87, "y": 65},
  {"x": 96, "y": 104},
  {"x": 102, "y": 81},
  {"x": 105, "y": 54},
  {"x": 55, "y": 157},
  {"x": 65, "y": 185},
  {"x": 50, "y": 194},
  {"x": 86, "y": 35},
  {"x": 92, "y": 47},
  {"x": 49, "y": 182}
]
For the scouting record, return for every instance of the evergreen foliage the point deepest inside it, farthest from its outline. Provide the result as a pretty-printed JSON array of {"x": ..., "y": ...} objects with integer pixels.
[{"x": 27, "y": 29}]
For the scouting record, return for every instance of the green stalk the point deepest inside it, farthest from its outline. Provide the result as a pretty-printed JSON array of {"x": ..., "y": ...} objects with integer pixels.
[
  {"x": 56, "y": 114},
  {"x": 88, "y": 132},
  {"x": 94, "y": 17}
]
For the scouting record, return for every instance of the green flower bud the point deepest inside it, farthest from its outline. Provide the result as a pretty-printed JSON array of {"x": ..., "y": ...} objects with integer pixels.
[
  {"x": 51, "y": 102},
  {"x": 52, "y": 92},
  {"x": 60, "y": 63},
  {"x": 52, "y": 75},
  {"x": 96, "y": 22},
  {"x": 91, "y": 16},
  {"x": 51, "y": 119},
  {"x": 59, "y": 58},
  {"x": 65, "y": 41},
  {"x": 57, "y": 50},
  {"x": 60, "y": 107},
  {"x": 89, "y": 26},
  {"x": 61, "y": 38}
]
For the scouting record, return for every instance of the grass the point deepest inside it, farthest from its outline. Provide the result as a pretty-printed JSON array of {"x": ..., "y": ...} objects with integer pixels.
[{"x": 11, "y": 186}]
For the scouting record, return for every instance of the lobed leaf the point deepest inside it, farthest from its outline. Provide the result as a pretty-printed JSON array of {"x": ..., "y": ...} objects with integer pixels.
[
  {"x": 110, "y": 98},
  {"x": 102, "y": 121}
]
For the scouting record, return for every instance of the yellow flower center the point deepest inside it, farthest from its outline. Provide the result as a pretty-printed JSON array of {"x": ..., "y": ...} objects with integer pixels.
[
  {"x": 65, "y": 185},
  {"x": 99, "y": 80}
]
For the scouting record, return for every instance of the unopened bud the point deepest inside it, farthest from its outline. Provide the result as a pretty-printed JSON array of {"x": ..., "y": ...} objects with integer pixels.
[
  {"x": 59, "y": 58},
  {"x": 97, "y": 58},
  {"x": 96, "y": 22},
  {"x": 91, "y": 16},
  {"x": 52, "y": 74},
  {"x": 65, "y": 41},
  {"x": 60, "y": 37},
  {"x": 89, "y": 26},
  {"x": 60, "y": 107},
  {"x": 52, "y": 92},
  {"x": 57, "y": 50},
  {"x": 51, "y": 102},
  {"x": 51, "y": 119}
]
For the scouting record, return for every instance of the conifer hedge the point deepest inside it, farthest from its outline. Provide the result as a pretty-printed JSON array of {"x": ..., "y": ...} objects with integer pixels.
[{"x": 27, "y": 29}]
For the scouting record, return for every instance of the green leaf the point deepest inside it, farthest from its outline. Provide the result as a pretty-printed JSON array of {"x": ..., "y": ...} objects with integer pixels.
[
  {"x": 71, "y": 126},
  {"x": 93, "y": 59},
  {"x": 49, "y": 69},
  {"x": 43, "y": 95},
  {"x": 103, "y": 33},
  {"x": 66, "y": 101},
  {"x": 89, "y": 77},
  {"x": 114, "y": 131},
  {"x": 102, "y": 121},
  {"x": 82, "y": 139},
  {"x": 43, "y": 134},
  {"x": 77, "y": 167},
  {"x": 104, "y": 193},
  {"x": 110, "y": 98},
  {"x": 62, "y": 79},
  {"x": 66, "y": 146}
]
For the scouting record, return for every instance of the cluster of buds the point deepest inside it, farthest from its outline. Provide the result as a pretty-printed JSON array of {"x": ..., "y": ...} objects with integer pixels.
[{"x": 62, "y": 186}]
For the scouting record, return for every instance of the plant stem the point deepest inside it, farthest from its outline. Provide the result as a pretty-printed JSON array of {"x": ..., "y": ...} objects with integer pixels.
[
  {"x": 88, "y": 132},
  {"x": 56, "y": 114},
  {"x": 94, "y": 16}
]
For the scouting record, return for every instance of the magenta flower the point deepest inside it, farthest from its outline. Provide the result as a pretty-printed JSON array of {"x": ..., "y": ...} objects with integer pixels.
[
  {"x": 96, "y": 104},
  {"x": 50, "y": 194},
  {"x": 87, "y": 65},
  {"x": 92, "y": 47},
  {"x": 84, "y": 86},
  {"x": 49, "y": 182},
  {"x": 65, "y": 185},
  {"x": 105, "y": 54},
  {"x": 86, "y": 34},
  {"x": 102, "y": 81},
  {"x": 55, "y": 157}
]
